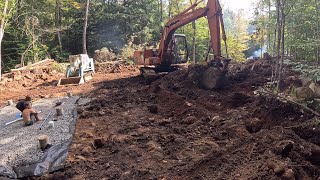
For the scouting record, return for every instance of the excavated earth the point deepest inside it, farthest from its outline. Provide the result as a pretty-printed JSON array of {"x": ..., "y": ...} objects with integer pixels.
[{"x": 172, "y": 129}]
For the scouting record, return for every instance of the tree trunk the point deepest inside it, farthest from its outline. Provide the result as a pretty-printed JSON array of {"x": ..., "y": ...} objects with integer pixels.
[
  {"x": 2, "y": 26},
  {"x": 278, "y": 28},
  {"x": 283, "y": 23},
  {"x": 161, "y": 10},
  {"x": 84, "y": 39},
  {"x": 318, "y": 34},
  {"x": 269, "y": 27},
  {"x": 170, "y": 8},
  {"x": 193, "y": 39},
  {"x": 58, "y": 24},
  {"x": 1, "y": 36}
]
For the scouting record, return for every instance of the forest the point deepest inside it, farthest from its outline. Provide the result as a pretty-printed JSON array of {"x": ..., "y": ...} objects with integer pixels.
[{"x": 32, "y": 30}]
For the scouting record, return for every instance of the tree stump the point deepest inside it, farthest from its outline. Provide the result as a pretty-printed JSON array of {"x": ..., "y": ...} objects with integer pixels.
[
  {"x": 59, "y": 111},
  {"x": 10, "y": 102},
  {"x": 43, "y": 141},
  {"x": 69, "y": 94}
]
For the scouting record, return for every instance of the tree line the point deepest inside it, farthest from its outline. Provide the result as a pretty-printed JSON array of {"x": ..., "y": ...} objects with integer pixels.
[{"x": 31, "y": 30}]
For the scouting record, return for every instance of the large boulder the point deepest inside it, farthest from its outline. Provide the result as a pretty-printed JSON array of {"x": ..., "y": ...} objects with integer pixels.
[
  {"x": 303, "y": 94},
  {"x": 315, "y": 88}
]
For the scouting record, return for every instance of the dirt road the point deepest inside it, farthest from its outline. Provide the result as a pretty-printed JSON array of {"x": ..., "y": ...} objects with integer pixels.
[{"x": 172, "y": 129}]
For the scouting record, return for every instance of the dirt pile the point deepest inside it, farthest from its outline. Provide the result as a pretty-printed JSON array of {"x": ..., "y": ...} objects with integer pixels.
[
  {"x": 172, "y": 129},
  {"x": 115, "y": 67},
  {"x": 108, "y": 62},
  {"x": 104, "y": 55},
  {"x": 29, "y": 76}
]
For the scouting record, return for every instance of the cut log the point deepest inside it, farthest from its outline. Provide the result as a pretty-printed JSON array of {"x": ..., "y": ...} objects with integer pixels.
[
  {"x": 43, "y": 141},
  {"x": 59, "y": 111}
]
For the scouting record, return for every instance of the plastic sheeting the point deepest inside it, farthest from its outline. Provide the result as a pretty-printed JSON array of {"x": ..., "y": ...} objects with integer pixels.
[{"x": 52, "y": 160}]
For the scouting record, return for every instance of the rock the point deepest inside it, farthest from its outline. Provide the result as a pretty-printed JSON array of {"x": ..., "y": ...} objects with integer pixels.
[
  {"x": 28, "y": 76},
  {"x": 306, "y": 81},
  {"x": 284, "y": 147},
  {"x": 44, "y": 76},
  {"x": 289, "y": 174},
  {"x": 81, "y": 158},
  {"x": 314, "y": 156},
  {"x": 99, "y": 142},
  {"x": 267, "y": 56},
  {"x": 303, "y": 94},
  {"x": 17, "y": 77},
  {"x": 254, "y": 125},
  {"x": 26, "y": 84},
  {"x": 189, "y": 120},
  {"x": 315, "y": 88},
  {"x": 86, "y": 135},
  {"x": 2, "y": 83},
  {"x": 277, "y": 167},
  {"x": 34, "y": 71},
  {"x": 87, "y": 150},
  {"x": 47, "y": 96},
  {"x": 153, "y": 109},
  {"x": 10, "y": 79}
]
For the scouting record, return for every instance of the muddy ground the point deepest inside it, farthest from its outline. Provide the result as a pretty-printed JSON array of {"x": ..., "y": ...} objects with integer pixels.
[{"x": 172, "y": 129}]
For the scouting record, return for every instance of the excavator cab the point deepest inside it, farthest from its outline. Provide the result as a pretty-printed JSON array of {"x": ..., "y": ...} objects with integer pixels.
[{"x": 181, "y": 51}]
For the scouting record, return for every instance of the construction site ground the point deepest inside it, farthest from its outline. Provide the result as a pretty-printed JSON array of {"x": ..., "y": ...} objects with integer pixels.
[{"x": 172, "y": 129}]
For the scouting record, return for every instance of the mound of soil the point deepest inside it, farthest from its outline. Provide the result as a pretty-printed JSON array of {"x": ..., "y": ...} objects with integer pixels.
[{"x": 172, "y": 129}]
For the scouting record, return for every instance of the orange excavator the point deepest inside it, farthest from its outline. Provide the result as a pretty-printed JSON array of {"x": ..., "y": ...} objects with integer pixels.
[{"x": 169, "y": 52}]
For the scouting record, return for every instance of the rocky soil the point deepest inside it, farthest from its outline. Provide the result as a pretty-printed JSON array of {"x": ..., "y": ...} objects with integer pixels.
[{"x": 172, "y": 129}]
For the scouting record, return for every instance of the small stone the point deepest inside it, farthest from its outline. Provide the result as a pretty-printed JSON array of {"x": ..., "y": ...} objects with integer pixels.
[
  {"x": 17, "y": 77},
  {"x": 189, "y": 120},
  {"x": 289, "y": 174},
  {"x": 2, "y": 83},
  {"x": 10, "y": 79},
  {"x": 98, "y": 142},
  {"x": 28, "y": 76},
  {"x": 87, "y": 150},
  {"x": 101, "y": 113},
  {"x": 153, "y": 109},
  {"x": 81, "y": 158},
  {"x": 254, "y": 125},
  {"x": 86, "y": 135},
  {"x": 284, "y": 147},
  {"x": 277, "y": 167}
]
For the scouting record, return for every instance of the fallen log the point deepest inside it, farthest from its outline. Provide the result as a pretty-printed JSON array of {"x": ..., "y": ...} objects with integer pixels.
[
  {"x": 32, "y": 65},
  {"x": 292, "y": 101}
]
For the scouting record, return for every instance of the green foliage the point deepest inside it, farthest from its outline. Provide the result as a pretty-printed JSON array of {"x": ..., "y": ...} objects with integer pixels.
[
  {"x": 121, "y": 26},
  {"x": 302, "y": 32},
  {"x": 59, "y": 67},
  {"x": 306, "y": 69}
]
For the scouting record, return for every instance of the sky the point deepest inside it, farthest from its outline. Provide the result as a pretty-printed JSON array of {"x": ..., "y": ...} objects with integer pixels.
[{"x": 239, "y": 4}]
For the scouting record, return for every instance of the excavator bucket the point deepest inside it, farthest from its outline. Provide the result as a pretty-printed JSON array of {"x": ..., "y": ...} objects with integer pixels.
[
  {"x": 213, "y": 78},
  {"x": 70, "y": 80}
]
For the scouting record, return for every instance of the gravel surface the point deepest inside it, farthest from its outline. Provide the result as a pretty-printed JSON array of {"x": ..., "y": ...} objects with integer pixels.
[{"x": 19, "y": 145}]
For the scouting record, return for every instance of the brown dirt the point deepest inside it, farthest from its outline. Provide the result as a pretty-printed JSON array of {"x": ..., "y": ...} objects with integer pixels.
[{"x": 172, "y": 129}]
